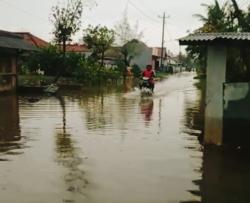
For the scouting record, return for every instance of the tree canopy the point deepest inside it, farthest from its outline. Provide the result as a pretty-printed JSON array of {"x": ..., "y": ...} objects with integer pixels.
[
  {"x": 99, "y": 39},
  {"x": 228, "y": 17},
  {"x": 125, "y": 32},
  {"x": 66, "y": 21}
]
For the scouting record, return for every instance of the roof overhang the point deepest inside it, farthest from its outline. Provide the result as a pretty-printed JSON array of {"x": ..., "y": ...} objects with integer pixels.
[
  {"x": 9, "y": 40},
  {"x": 208, "y": 39}
]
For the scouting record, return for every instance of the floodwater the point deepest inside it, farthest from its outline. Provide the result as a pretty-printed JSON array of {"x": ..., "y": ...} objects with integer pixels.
[{"x": 110, "y": 146}]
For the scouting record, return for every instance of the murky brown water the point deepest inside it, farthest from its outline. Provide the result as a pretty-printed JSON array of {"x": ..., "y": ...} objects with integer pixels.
[{"x": 107, "y": 146}]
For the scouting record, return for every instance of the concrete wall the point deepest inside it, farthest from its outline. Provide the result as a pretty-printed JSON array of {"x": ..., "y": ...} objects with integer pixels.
[
  {"x": 216, "y": 75},
  {"x": 237, "y": 93},
  {"x": 237, "y": 113}
]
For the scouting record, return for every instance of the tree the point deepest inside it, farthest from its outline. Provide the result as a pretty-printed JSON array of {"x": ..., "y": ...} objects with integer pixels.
[
  {"x": 130, "y": 50},
  {"x": 125, "y": 32},
  {"x": 226, "y": 18},
  {"x": 66, "y": 21},
  {"x": 218, "y": 18},
  {"x": 99, "y": 39}
]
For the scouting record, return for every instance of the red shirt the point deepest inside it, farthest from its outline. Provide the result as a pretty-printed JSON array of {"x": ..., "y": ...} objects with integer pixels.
[{"x": 148, "y": 73}]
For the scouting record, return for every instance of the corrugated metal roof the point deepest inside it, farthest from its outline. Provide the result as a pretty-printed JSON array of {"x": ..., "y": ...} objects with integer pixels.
[
  {"x": 212, "y": 37},
  {"x": 13, "y": 41},
  {"x": 33, "y": 40}
]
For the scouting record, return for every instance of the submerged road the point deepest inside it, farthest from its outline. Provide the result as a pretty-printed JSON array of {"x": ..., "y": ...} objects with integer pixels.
[{"x": 106, "y": 146}]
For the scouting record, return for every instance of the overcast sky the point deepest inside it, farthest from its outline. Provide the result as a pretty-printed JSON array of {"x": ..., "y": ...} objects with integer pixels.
[{"x": 33, "y": 16}]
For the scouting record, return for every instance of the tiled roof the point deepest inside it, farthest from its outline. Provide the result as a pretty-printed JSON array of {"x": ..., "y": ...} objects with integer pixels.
[
  {"x": 12, "y": 41},
  {"x": 77, "y": 48},
  {"x": 213, "y": 37},
  {"x": 33, "y": 40},
  {"x": 113, "y": 52}
]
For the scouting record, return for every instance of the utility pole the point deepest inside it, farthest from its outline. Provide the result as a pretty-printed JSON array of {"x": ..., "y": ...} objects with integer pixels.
[{"x": 162, "y": 42}]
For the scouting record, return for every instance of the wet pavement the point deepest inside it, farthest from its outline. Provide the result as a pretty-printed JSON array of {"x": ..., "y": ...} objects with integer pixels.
[{"x": 111, "y": 146}]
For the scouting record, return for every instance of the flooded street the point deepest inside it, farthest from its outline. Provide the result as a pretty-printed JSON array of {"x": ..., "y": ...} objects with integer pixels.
[{"x": 111, "y": 146}]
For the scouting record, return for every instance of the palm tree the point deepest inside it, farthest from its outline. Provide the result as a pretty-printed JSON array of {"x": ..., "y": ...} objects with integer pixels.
[
  {"x": 242, "y": 17},
  {"x": 215, "y": 20}
]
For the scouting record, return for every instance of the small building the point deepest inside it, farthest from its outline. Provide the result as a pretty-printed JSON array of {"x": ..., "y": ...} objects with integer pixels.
[
  {"x": 141, "y": 56},
  {"x": 11, "y": 46},
  {"x": 78, "y": 48},
  {"x": 156, "y": 57},
  {"x": 33, "y": 40},
  {"x": 227, "y": 108},
  {"x": 145, "y": 55}
]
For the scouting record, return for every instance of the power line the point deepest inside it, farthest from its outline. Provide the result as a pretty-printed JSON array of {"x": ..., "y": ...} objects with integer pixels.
[
  {"x": 142, "y": 12},
  {"x": 143, "y": 4}
]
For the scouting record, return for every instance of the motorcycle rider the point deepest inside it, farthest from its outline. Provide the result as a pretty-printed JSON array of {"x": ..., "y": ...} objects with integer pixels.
[{"x": 149, "y": 73}]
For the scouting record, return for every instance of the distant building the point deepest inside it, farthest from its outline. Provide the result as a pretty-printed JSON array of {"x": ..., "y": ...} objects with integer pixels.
[
  {"x": 143, "y": 57},
  {"x": 78, "y": 48},
  {"x": 146, "y": 55},
  {"x": 156, "y": 56},
  {"x": 11, "y": 46}
]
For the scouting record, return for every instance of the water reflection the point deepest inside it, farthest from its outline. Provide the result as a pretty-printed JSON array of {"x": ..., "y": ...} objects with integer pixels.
[
  {"x": 74, "y": 162},
  {"x": 9, "y": 125},
  {"x": 104, "y": 111},
  {"x": 68, "y": 155},
  {"x": 194, "y": 110},
  {"x": 146, "y": 107},
  {"x": 225, "y": 171},
  {"x": 225, "y": 176},
  {"x": 128, "y": 84}
]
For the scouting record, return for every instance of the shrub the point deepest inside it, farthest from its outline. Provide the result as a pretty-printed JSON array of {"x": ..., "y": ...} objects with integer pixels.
[
  {"x": 91, "y": 72},
  {"x": 47, "y": 59},
  {"x": 136, "y": 71}
]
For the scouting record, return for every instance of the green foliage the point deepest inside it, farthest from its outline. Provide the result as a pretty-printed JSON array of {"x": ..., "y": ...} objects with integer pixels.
[
  {"x": 71, "y": 63},
  {"x": 217, "y": 19},
  {"x": 136, "y": 71},
  {"x": 47, "y": 59},
  {"x": 130, "y": 50},
  {"x": 121, "y": 67},
  {"x": 99, "y": 39},
  {"x": 88, "y": 72},
  {"x": 66, "y": 21},
  {"x": 226, "y": 18},
  {"x": 83, "y": 69},
  {"x": 50, "y": 60}
]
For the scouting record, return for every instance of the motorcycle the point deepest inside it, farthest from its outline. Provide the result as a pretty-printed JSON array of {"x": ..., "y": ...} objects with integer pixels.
[{"x": 146, "y": 87}]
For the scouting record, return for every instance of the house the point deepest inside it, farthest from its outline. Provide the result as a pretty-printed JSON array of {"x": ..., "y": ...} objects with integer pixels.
[
  {"x": 33, "y": 40},
  {"x": 40, "y": 43},
  {"x": 143, "y": 55},
  {"x": 11, "y": 46},
  {"x": 156, "y": 56},
  {"x": 78, "y": 48},
  {"x": 227, "y": 111},
  {"x": 138, "y": 54}
]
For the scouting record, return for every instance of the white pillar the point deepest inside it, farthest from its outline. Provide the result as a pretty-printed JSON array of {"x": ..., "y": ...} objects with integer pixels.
[{"x": 216, "y": 76}]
